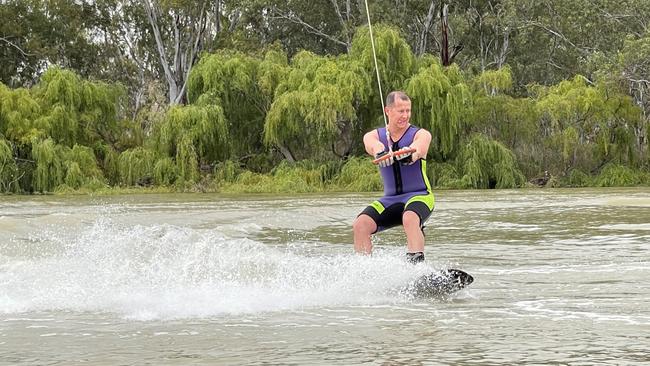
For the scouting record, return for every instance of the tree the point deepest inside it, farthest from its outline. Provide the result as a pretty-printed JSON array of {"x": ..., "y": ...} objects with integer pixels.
[
  {"x": 179, "y": 39},
  {"x": 314, "y": 108},
  {"x": 441, "y": 101},
  {"x": 243, "y": 87},
  {"x": 36, "y": 34},
  {"x": 9, "y": 174},
  {"x": 587, "y": 126}
]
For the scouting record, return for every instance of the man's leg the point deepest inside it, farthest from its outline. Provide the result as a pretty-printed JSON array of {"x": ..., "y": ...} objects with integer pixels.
[
  {"x": 417, "y": 210},
  {"x": 363, "y": 227},
  {"x": 413, "y": 230}
]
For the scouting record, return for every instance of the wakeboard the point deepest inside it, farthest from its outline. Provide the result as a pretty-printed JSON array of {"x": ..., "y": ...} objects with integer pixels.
[{"x": 439, "y": 283}]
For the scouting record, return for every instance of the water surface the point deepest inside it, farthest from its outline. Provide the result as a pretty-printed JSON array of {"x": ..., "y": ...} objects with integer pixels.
[{"x": 561, "y": 277}]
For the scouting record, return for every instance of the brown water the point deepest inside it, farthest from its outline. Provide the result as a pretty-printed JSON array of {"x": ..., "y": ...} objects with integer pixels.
[{"x": 561, "y": 278}]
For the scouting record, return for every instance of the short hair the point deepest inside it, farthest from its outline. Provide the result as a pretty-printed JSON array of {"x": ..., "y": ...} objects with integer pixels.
[{"x": 390, "y": 98}]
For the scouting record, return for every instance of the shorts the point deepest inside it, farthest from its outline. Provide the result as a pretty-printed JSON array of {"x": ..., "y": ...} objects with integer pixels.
[{"x": 387, "y": 211}]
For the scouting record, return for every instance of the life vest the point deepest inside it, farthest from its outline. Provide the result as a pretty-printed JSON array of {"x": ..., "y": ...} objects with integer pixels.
[{"x": 398, "y": 178}]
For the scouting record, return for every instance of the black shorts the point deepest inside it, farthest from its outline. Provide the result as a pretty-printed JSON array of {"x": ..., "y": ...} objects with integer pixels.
[{"x": 389, "y": 216}]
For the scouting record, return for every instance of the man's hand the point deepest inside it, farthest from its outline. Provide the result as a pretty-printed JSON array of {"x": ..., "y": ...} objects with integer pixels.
[
  {"x": 383, "y": 159},
  {"x": 404, "y": 155}
]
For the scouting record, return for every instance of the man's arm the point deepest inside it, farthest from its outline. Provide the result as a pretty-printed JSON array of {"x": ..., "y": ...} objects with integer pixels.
[
  {"x": 372, "y": 144},
  {"x": 421, "y": 143}
]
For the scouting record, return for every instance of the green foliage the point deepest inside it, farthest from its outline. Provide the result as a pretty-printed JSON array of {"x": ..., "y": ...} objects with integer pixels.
[
  {"x": 314, "y": 106},
  {"x": 55, "y": 32},
  {"x": 588, "y": 124},
  {"x": 8, "y": 169},
  {"x": 76, "y": 110},
  {"x": 73, "y": 176},
  {"x": 443, "y": 175},
  {"x": 359, "y": 175},
  {"x": 287, "y": 179},
  {"x": 395, "y": 60},
  {"x": 50, "y": 165},
  {"x": 234, "y": 82},
  {"x": 247, "y": 112},
  {"x": 440, "y": 103},
  {"x": 86, "y": 161},
  {"x": 136, "y": 166},
  {"x": 614, "y": 175},
  {"x": 577, "y": 178},
  {"x": 58, "y": 164},
  {"x": 226, "y": 172},
  {"x": 297, "y": 178},
  {"x": 109, "y": 163},
  {"x": 273, "y": 70},
  {"x": 165, "y": 172},
  {"x": 192, "y": 134},
  {"x": 19, "y": 113},
  {"x": 396, "y": 64},
  {"x": 495, "y": 81},
  {"x": 510, "y": 120},
  {"x": 485, "y": 163},
  {"x": 187, "y": 160}
]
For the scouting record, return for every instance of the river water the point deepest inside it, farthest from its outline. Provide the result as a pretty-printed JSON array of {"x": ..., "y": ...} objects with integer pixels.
[{"x": 561, "y": 277}]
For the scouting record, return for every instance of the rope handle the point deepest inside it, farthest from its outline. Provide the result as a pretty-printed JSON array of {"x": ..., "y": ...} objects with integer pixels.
[{"x": 391, "y": 154}]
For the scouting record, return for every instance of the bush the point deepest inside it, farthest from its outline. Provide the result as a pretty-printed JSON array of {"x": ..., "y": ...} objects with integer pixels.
[
  {"x": 614, "y": 175},
  {"x": 359, "y": 175},
  {"x": 578, "y": 178},
  {"x": 165, "y": 172}
]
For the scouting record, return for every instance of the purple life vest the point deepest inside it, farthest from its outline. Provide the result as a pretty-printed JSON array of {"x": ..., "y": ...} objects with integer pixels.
[{"x": 399, "y": 179}]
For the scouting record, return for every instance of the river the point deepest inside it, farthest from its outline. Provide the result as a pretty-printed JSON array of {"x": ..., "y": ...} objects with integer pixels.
[{"x": 561, "y": 277}]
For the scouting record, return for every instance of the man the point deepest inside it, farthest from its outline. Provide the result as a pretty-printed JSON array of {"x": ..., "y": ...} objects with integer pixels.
[{"x": 408, "y": 199}]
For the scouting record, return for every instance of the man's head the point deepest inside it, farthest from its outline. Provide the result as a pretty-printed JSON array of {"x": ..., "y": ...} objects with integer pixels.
[{"x": 398, "y": 109}]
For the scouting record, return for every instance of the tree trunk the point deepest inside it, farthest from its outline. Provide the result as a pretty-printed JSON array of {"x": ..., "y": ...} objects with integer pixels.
[
  {"x": 426, "y": 26},
  {"x": 342, "y": 145},
  {"x": 286, "y": 153},
  {"x": 444, "y": 43},
  {"x": 186, "y": 47}
]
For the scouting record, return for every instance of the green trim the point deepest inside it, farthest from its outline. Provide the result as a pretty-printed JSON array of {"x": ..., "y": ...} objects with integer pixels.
[
  {"x": 427, "y": 199},
  {"x": 424, "y": 175},
  {"x": 378, "y": 207}
]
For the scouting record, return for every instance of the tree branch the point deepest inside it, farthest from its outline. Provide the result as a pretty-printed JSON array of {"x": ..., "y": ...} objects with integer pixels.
[
  {"x": 16, "y": 47},
  {"x": 153, "y": 21},
  {"x": 196, "y": 47},
  {"x": 556, "y": 34},
  {"x": 310, "y": 28}
]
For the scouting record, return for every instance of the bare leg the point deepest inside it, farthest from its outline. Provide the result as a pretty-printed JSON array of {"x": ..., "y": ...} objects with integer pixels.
[
  {"x": 363, "y": 227},
  {"x": 414, "y": 235}
]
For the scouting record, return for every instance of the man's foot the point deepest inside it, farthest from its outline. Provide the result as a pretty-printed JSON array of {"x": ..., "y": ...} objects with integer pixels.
[{"x": 415, "y": 258}]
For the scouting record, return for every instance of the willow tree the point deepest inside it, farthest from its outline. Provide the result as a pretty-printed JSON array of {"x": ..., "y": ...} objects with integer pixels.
[
  {"x": 630, "y": 72},
  {"x": 86, "y": 165},
  {"x": 79, "y": 111},
  {"x": 396, "y": 63},
  {"x": 231, "y": 81},
  {"x": 193, "y": 135},
  {"x": 9, "y": 174},
  {"x": 136, "y": 166},
  {"x": 441, "y": 100},
  {"x": 313, "y": 114},
  {"x": 510, "y": 120},
  {"x": 19, "y": 116},
  {"x": 58, "y": 164},
  {"x": 481, "y": 163},
  {"x": 50, "y": 165},
  {"x": 587, "y": 126}
]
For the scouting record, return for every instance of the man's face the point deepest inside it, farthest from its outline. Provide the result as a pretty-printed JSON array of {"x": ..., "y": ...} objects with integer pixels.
[{"x": 399, "y": 113}]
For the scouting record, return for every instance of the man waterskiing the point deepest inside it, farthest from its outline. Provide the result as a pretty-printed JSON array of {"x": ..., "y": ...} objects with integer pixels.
[{"x": 408, "y": 199}]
